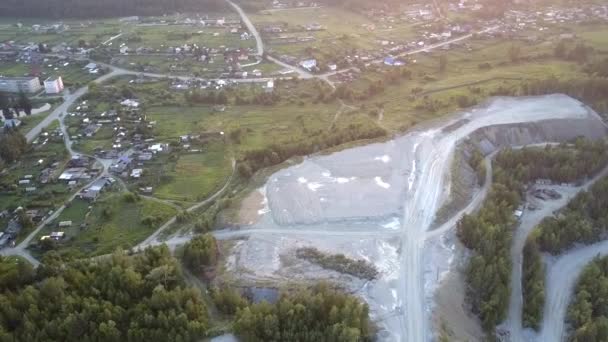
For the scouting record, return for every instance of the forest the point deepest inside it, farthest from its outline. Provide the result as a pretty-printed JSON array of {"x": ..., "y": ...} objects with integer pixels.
[
  {"x": 588, "y": 311},
  {"x": 489, "y": 232},
  {"x": 584, "y": 220},
  {"x": 533, "y": 285},
  {"x": 572, "y": 226},
  {"x": 123, "y": 298},
  {"x": 316, "y": 315}
]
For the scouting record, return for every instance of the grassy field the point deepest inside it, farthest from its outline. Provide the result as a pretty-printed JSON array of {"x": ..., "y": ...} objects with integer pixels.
[
  {"x": 71, "y": 74},
  {"x": 107, "y": 224},
  {"x": 344, "y": 31},
  {"x": 92, "y": 32},
  {"x": 194, "y": 176},
  {"x": 165, "y": 36},
  {"x": 406, "y": 104},
  {"x": 172, "y": 64}
]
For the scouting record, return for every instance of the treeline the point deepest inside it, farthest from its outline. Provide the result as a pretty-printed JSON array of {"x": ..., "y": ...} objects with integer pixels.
[
  {"x": 105, "y": 8},
  {"x": 122, "y": 298},
  {"x": 255, "y": 160},
  {"x": 592, "y": 90},
  {"x": 12, "y": 145},
  {"x": 584, "y": 221},
  {"x": 338, "y": 262},
  {"x": 319, "y": 314},
  {"x": 563, "y": 163},
  {"x": 11, "y": 105},
  {"x": 533, "y": 285},
  {"x": 588, "y": 311},
  {"x": 221, "y": 98},
  {"x": 489, "y": 232}
]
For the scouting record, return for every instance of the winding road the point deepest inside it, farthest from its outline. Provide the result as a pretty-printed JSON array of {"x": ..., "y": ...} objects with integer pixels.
[
  {"x": 560, "y": 280},
  {"x": 558, "y": 290}
]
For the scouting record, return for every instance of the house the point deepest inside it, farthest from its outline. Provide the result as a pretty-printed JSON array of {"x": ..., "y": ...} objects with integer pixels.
[
  {"x": 91, "y": 129},
  {"x": 74, "y": 173},
  {"x": 145, "y": 156},
  {"x": 64, "y": 224},
  {"x": 269, "y": 87},
  {"x": 92, "y": 192},
  {"x": 136, "y": 173},
  {"x": 53, "y": 85},
  {"x": 54, "y": 236},
  {"x": 159, "y": 148},
  {"x": 309, "y": 64},
  {"x": 130, "y": 103},
  {"x": 34, "y": 215},
  {"x": 90, "y": 66},
  {"x": 122, "y": 164}
]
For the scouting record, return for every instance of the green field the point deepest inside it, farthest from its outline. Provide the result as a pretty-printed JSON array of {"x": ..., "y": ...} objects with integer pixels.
[
  {"x": 72, "y": 74},
  {"x": 92, "y": 32},
  {"x": 112, "y": 222},
  {"x": 344, "y": 30},
  {"x": 165, "y": 36},
  {"x": 195, "y": 176}
]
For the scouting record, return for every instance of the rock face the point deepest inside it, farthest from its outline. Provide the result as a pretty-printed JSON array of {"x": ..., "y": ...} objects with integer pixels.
[{"x": 490, "y": 139}]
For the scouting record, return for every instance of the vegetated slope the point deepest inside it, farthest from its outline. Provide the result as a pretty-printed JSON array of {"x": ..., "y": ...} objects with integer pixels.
[
  {"x": 489, "y": 232},
  {"x": 588, "y": 311}
]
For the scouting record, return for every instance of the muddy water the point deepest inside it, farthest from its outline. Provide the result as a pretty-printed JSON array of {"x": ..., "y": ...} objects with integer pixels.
[{"x": 397, "y": 187}]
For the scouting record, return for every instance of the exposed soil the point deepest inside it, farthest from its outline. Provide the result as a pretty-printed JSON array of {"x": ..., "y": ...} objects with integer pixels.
[
  {"x": 251, "y": 207},
  {"x": 451, "y": 313}
]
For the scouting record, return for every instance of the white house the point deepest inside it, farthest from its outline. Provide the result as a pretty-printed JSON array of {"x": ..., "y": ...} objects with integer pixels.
[
  {"x": 309, "y": 64},
  {"x": 53, "y": 85},
  {"x": 269, "y": 88}
]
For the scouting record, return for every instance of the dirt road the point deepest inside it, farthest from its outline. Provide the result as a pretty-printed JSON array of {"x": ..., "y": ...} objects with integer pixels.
[
  {"x": 560, "y": 280},
  {"x": 529, "y": 221}
]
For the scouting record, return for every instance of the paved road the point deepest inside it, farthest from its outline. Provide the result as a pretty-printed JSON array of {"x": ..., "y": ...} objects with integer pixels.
[
  {"x": 68, "y": 100},
  {"x": 258, "y": 39}
]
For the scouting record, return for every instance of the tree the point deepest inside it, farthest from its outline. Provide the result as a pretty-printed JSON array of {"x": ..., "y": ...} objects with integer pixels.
[
  {"x": 24, "y": 103},
  {"x": 12, "y": 145},
  {"x": 201, "y": 252},
  {"x": 514, "y": 53},
  {"x": 560, "y": 49},
  {"x": 443, "y": 63},
  {"x": 5, "y": 105}
]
